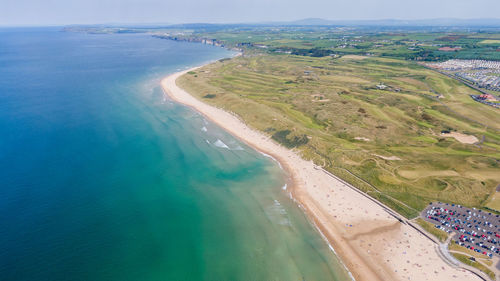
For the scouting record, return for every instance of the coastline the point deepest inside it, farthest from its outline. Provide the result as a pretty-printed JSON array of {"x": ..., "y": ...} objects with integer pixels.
[{"x": 371, "y": 243}]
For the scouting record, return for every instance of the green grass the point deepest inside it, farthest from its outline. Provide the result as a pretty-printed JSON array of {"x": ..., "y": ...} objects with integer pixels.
[
  {"x": 484, "y": 259},
  {"x": 412, "y": 44},
  {"x": 330, "y": 102},
  {"x": 465, "y": 259},
  {"x": 494, "y": 202},
  {"x": 427, "y": 139},
  {"x": 429, "y": 227},
  {"x": 490, "y": 41}
]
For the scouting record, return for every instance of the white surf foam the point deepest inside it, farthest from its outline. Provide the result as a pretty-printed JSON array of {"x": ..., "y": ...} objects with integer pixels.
[
  {"x": 274, "y": 159},
  {"x": 221, "y": 144},
  {"x": 277, "y": 214}
]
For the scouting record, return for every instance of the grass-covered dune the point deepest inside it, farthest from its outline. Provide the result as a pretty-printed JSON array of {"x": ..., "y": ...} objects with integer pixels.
[{"x": 375, "y": 122}]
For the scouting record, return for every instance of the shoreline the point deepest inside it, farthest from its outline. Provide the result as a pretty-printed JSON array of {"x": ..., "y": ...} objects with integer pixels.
[{"x": 370, "y": 242}]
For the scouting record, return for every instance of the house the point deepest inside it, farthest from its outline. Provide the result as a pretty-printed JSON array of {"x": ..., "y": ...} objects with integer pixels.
[
  {"x": 487, "y": 97},
  {"x": 381, "y": 86}
]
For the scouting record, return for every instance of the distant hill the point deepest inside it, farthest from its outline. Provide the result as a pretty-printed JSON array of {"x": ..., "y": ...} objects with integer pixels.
[
  {"x": 396, "y": 22},
  {"x": 385, "y": 23},
  {"x": 312, "y": 21}
]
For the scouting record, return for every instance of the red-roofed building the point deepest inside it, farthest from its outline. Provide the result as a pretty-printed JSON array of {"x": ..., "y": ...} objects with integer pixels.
[{"x": 487, "y": 97}]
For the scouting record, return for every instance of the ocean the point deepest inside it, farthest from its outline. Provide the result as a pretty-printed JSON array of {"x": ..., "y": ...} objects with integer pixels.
[{"x": 103, "y": 178}]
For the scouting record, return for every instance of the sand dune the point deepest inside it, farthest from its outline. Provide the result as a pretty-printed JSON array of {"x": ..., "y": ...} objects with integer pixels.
[{"x": 372, "y": 243}]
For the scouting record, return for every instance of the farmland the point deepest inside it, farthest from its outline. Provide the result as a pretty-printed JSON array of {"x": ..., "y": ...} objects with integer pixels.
[{"x": 409, "y": 43}]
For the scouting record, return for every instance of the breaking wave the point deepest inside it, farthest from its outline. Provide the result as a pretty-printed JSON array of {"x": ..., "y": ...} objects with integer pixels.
[
  {"x": 220, "y": 144},
  {"x": 277, "y": 214}
]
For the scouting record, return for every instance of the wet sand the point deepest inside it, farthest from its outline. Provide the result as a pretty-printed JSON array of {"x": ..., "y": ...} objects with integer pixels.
[{"x": 371, "y": 243}]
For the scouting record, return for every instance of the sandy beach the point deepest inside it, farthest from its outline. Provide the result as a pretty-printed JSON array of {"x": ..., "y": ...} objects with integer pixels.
[{"x": 372, "y": 243}]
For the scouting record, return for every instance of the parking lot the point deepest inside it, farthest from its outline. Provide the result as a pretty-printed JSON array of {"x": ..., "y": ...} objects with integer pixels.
[{"x": 474, "y": 229}]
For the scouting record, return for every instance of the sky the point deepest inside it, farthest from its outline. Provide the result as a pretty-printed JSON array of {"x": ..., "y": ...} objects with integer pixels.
[{"x": 60, "y": 12}]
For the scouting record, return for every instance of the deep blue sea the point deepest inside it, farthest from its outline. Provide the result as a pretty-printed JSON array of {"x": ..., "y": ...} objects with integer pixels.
[{"x": 102, "y": 178}]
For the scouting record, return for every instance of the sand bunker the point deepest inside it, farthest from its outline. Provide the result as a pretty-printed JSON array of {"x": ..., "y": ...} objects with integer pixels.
[
  {"x": 354, "y": 57},
  {"x": 362, "y": 138},
  {"x": 463, "y": 138},
  {"x": 390, "y": 158}
]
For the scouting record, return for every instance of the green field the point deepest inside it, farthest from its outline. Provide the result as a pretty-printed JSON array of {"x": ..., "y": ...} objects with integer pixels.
[
  {"x": 489, "y": 41},
  {"x": 494, "y": 202},
  {"x": 429, "y": 227},
  {"x": 386, "y": 142},
  {"x": 465, "y": 259},
  {"x": 412, "y": 43}
]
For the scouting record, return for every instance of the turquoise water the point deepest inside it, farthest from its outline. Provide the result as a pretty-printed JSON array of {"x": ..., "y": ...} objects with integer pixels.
[{"x": 101, "y": 178}]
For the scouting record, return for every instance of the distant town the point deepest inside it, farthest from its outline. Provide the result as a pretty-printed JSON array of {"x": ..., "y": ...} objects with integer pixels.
[{"x": 480, "y": 74}]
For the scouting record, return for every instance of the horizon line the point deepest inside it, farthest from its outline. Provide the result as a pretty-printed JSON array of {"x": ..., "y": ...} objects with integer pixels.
[{"x": 263, "y": 22}]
